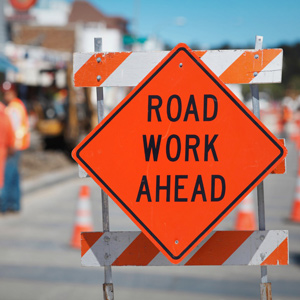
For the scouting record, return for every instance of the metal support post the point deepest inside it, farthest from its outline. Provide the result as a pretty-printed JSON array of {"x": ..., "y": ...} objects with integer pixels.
[
  {"x": 265, "y": 287},
  {"x": 108, "y": 290}
]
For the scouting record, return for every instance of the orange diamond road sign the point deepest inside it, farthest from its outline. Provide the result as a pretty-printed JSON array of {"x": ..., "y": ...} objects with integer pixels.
[{"x": 179, "y": 153}]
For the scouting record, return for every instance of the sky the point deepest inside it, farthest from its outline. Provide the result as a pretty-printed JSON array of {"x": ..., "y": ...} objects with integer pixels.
[{"x": 210, "y": 24}]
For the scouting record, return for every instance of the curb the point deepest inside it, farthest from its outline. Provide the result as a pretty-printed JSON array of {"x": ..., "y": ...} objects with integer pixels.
[{"x": 48, "y": 179}]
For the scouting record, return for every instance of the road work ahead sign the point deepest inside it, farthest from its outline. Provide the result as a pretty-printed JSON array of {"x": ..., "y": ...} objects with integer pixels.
[{"x": 179, "y": 153}]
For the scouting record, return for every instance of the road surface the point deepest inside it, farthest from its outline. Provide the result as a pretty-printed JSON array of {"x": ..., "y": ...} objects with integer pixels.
[{"x": 37, "y": 262}]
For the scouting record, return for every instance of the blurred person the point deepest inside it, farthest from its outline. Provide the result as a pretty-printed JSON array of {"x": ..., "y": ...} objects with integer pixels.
[
  {"x": 17, "y": 113},
  {"x": 7, "y": 140}
]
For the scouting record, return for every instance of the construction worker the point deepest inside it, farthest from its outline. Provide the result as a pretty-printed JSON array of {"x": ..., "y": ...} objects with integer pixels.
[
  {"x": 18, "y": 115},
  {"x": 7, "y": 140}
]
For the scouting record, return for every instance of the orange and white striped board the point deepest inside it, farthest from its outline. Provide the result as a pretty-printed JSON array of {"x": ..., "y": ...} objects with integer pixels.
[
  {"x": 129, "y": 68},
  {"x": 133, "y": 248}
]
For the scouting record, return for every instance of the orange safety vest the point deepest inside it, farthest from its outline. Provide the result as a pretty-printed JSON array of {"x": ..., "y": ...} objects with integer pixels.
[
  {"x": 19, "y": 119},
  {"x": 7, "y": 139}
]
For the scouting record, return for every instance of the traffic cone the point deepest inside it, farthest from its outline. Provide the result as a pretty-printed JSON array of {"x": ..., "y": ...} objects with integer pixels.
[
  {"x": 83, "y": 221},
  {"x": 245, "y": 217},
  {"x": 295, "y": 214}
]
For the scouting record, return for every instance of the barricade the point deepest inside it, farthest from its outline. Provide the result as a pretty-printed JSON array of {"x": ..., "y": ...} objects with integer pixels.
[{"x": 129, "y": 69}]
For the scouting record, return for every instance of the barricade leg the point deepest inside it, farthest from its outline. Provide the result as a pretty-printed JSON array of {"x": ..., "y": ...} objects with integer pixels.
[
  {"x": 265, "y": 291},
  {"x": 260, "y": 188},
  {"x": 108, "y": 289}
]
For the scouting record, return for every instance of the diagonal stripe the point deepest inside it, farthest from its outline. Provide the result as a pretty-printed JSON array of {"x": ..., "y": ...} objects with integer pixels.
[
  {"x": 266, "y": 243},
  {"x": 279, "y": 256},
  {"x": 200, "y": 53},
  {"x": 140, "y": 252},
  {"x": 134, "y": 68},
  {"x": 274, "y": 68},
  {"x": 80, "y": 60},
  {"x": 219, "y": 247},
  {"x": 228, "y": 59},
  {"x": 87, "y": 74},
  {"x": 88, "y": 240},
  {"x": 242, "y": 70}
]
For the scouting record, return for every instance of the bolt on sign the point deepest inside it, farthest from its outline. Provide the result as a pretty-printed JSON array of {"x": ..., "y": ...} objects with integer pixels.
[{"x": 179, "y": 153}]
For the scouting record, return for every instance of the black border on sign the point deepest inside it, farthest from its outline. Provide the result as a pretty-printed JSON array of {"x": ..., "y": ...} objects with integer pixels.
[{"x": 236, "y": 102}]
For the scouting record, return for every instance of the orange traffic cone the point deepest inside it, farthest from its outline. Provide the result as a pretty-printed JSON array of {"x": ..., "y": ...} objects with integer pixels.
[
  {"x": 83, "y": 220},
  {"x": 245, "y": 217},
  {"x": 295, "y": 214}
]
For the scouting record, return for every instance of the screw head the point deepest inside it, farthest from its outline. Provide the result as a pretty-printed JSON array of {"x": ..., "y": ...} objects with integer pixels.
[
  {"x": 176, "y": 242},
  {"x": 98, "y": 77},
  {"x": 255, "y": 74},
  {"x": 98, "y": 59},
  {"x": 180, "y": 65},
  {"x": 256, "y": 56}
]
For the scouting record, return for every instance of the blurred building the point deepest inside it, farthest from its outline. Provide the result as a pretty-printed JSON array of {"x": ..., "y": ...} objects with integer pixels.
[
  {"x": 59, "y": 28},
  {"x": 40, "y": 44}
]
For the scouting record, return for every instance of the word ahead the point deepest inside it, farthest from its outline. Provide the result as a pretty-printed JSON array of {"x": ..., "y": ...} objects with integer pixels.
[{"x": 198, "y": 188}]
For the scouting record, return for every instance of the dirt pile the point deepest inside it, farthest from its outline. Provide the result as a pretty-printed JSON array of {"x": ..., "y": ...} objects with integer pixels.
[{"x": 37, "y": 162}]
